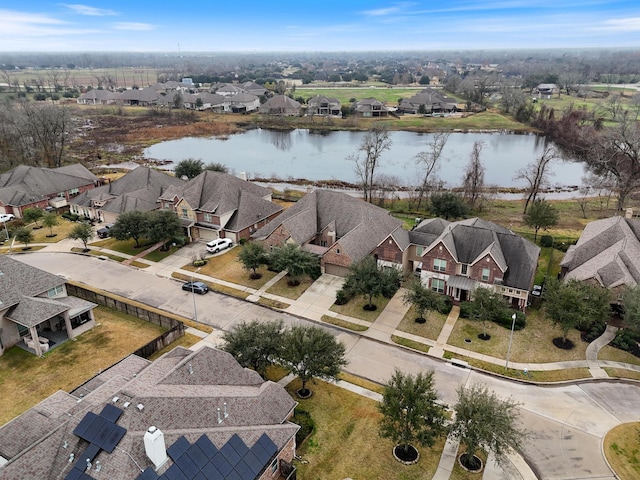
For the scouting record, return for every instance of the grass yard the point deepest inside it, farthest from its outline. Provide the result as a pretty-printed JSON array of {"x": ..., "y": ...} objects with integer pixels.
[
  {"x": 405, "y": 342},
  {"x": 61, "y": 231},
  {"x": 622, "y": 373},
  {"x": 186, "y": 341},
  {"x": 533, "y": 344},
  {"x": 282, "y": 289},
  {"x": 356, "y": 327},
  {"x": 215, "y": 287},
  {"x": 460, "y": 473},
  {"x": 431, "y": 329},
  {"x": 128, "y": 247},
  {"x": 615, "y": 354},
  {"x": 345, "y": 443},
  {"x": 26, "y": 379},
  {"x": 622, "y": 449},
  {"x": 354, "y": 308},
  {"x": 227, "y": 267}
]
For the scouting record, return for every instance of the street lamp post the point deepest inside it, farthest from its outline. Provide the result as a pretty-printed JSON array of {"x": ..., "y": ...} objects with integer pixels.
[
  {"x": 513, "y": 326},
  {"x": 193, "y": 294}
]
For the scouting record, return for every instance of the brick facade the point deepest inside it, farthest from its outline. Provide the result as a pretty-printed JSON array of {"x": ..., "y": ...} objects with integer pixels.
[
  {"x": 336, "y": 256},
  {"x": 388, "y": 251}
]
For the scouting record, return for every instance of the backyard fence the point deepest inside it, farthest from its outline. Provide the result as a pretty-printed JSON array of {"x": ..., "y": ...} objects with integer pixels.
[{"x": 175, "y": 328}]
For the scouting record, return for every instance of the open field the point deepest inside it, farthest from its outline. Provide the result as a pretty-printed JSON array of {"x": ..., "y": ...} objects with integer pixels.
[
  {"x": 345, "y": 443},
  {"x": 27, "y": 379}
]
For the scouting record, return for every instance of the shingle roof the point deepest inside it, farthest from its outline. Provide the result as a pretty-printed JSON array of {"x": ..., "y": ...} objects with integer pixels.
[
  {"x": 19, "y": 280},
  {"x": 180, "y": 393},
  {"x": 139, "y": 189},
  {"x": 280, "y": 104},
  {"x": 359, "y": 226},
  {"x": 24, "y": 184},
  {"x": 608, "y": 251}
]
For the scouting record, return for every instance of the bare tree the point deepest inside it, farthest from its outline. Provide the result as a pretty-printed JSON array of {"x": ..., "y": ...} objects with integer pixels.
[
  {"x": 47, "y": 126},
  {"x": 429, "y": 161},
  {"x": 374, "y": 143},
  {"x": 386, "y": 187},
  {"x": 536, "y": 174},
  {"x": 473, "y": 181}
]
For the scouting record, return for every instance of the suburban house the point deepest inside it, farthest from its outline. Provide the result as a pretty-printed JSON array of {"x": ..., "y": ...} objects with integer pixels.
[
  {"x": 218, "y": 205},
  {"x": 340, "y": 228},
  {"x": 546, "y": 90},
  {"x": 370, "y": 107},
  {"x": 607, "y": 254},
  {"x": 143, "y": 97},
  {"x": 280, "y": 105},
  {"x": 25, "y": 187},
  {"x": 99, "y": 97},
  {"x": 321, "y": 105},
  {"x": 254, "y": 89},
  {"x": 35, "y": 309},
  {"x": 187, "y": 415},
  {"x": 427, "y": 101},
  {"x": 455, "y": 258},
  {"x": 139, "y": 190}
]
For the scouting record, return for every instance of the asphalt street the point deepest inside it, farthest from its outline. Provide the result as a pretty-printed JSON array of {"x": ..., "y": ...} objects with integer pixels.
[{"x": 566, "y": 422}]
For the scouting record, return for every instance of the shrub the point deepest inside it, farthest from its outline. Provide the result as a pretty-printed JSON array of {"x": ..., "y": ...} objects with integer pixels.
[
  {"x": 594, "y": 331},
  {"x": 546, "y": 241},
  {"x": 70, "y": 216},
  {"x": 448, "y": 305},
  {"x": 199, "y": 263},
  {"x": 505, "y": 320},
  {"x": 627, "y": 341},
  {"x": 343, "y": 296},
  {"x": 466, "y": 309},
  {"x": 243, "y": 241},
  {"x": 307, "y": 425}
]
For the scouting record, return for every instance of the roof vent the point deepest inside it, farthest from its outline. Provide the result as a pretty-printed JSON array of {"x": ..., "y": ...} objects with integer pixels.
[
  {"x": 155, "y": 447},
  {"x": 126, "y": 404},
  {"x": 140, "y": 406}
]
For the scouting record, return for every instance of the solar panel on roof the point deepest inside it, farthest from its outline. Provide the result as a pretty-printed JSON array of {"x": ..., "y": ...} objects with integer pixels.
[
  {"x": 254, "y": 464},
  {"x": 260, "y": 453},
  {"x": 114, "y": 438},
  {"x": 148, "y": 474},
  {"x": 207, "y": 446},
  {"x": 234, "y": 476},
  {"x": 199, "y": 476},
  {"x": 221, "y": 464},
  {"x": 197, "y": 455},
  {"x": 238, "y": 445},
  {"x": 211, "y": 472},
  {"x": 180, "y": 446},
  {"x": 230, "y": 454},
  {"x": 187, "y": 466},
  {"x": 74, "y": 474},
  {"x": 174, "y": 473},
  {"x": 244, "y": 471},
  {"x": 265, "y": 442},
  {"x": 111, "y": 412},
  {"x": 83, "y": 426},
  {"x": 94, "y": 429}
]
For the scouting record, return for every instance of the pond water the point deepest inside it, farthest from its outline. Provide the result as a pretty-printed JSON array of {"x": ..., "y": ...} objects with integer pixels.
[{"x": 314, "y": 155}]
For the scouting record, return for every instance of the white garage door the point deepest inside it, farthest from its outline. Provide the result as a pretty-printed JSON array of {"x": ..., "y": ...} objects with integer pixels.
[{"x": 207, "y": 234}]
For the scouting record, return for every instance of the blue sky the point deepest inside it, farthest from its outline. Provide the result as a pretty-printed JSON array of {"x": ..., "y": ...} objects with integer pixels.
[{"x": 347, "y": 25}]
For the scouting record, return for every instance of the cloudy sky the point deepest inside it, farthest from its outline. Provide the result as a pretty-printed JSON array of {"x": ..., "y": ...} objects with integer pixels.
[{"x": 345, "y": 25}]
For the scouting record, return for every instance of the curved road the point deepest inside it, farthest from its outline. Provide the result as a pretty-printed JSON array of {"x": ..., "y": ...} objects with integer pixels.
[{"x": 566, "y": 422}]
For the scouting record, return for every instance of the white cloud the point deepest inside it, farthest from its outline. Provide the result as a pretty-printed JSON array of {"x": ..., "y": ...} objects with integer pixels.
[
  {"x": 383, "y": 12},
  {"x": 623, "y": 24},
  {"x": 137, "y": 27},
  {"x": 89, "y": 11}
]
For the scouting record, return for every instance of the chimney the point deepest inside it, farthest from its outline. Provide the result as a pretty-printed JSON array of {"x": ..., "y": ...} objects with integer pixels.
[
  {"x": 155, "y": 447},
  {"x": 242, "y": 175}
]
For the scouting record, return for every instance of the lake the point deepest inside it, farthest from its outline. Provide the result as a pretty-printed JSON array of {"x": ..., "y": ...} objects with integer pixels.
[{"x": 315, "y": 155}]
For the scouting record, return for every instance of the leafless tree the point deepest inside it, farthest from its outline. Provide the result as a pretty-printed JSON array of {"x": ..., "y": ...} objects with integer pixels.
[
  {"x": 473, "y": 180},
  {"x": 599, "y": 186},
  {"x": 536, "y": 174},
  {"x": 374, "y": 143},
  {"x": 47, "y": 126},
  {"x": 429, "y": 161},
  {"x": 570, "y": 81},
  {"x": 386, "y": 188}
]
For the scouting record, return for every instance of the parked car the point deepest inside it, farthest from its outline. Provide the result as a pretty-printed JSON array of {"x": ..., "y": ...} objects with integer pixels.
[
  {"x": 6, "y": 217},
  {"x": 196, "y": 287},
  {"x": 214, "y": 246},
  {"x": 104, "y": 231}
]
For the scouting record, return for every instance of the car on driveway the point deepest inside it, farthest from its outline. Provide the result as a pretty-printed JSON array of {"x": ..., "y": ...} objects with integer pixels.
[
  {"x": 196, "y": 287},
  {"x": 104, "y": 231},
  {"x": 214, "y": 246},
  {"x": 6, "y": 217}
]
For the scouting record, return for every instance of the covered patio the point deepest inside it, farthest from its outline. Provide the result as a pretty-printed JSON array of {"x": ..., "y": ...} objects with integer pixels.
[{"x": 43, "y": 322}]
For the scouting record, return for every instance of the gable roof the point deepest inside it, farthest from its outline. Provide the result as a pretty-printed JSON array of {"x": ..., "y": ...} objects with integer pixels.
[
  {"x": 180, "y": 393},
  {"x": 220, "y": 193},
  {"x": 608, "y": 251},
  {"x": 19, "y": 280},
  {"x": 359, "y": 226},
  {"x": 280, "y": 104},
  {"x": 139, "y": 190},
  {"x": 471, "y": 240},
  {"x": 23, "y": 184}
]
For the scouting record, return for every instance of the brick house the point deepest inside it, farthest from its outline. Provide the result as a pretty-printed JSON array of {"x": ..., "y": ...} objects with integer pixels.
[
  {"x": 28, "y": 187},
  {"x": 340, "y": 228},
  {"x": 456, "y": 258},
  {"x": 186, "y": 415},
  {"x": 218, "y": 205}
]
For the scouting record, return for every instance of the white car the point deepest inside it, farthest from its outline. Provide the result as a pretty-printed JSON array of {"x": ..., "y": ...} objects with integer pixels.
[
  {"x": 5, "y": 217},
  {"x": 214, "y": 246}
]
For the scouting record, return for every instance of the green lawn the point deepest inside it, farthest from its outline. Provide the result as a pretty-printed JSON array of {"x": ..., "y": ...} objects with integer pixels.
[
  {"x": 354, "y": 308},
  {"x": 431, "y": 329},
  {"x": 345, "y": 443},
  {"x": 622, "y": 448},
  {"x": 282, "y": 289}
]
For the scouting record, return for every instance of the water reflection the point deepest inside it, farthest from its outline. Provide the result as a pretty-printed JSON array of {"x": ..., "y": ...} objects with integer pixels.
[{"x": 322, "y": 156}]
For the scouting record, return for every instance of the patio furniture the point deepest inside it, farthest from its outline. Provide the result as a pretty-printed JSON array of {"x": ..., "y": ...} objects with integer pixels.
[{"x": 44, "y": 343}]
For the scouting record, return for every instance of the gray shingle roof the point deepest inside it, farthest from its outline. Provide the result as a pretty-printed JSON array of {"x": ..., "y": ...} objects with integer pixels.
[
  {"x": 608, "y": 251},
  {"x": 176, "y": 401},
  {"x": 19, "y": 280}
]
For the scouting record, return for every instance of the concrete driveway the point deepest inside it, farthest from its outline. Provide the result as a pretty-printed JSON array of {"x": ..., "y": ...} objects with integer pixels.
[{"x": 566, "y": 422}]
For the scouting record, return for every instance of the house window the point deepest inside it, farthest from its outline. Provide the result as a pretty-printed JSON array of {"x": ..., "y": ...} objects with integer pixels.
[
  {"x": 464, "y": 269},
  {"x": 274, "y": 465},
  {"x": 55, "y": 291},
  {"x": 80, "y": 319},
  {"x": 419, "y": 250},
  {"x": 185, "y": 213},
  {"x": 485, "y": 274},
  {"x": 207, "y": 217},
  {"x": 437, "y": 285},
  {"x": 439, "y": 265}
]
